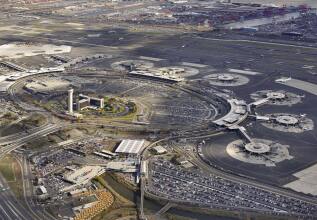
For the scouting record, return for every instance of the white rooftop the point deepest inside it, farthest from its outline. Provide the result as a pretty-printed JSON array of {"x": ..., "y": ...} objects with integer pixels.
[
  {"x": 127, "y": 167},
  {"x": 159, "y": 149},
  {"x": 83, "y": 174},
  {"x": 43, "y": 189},
  {"x": 130, "y": 146}
]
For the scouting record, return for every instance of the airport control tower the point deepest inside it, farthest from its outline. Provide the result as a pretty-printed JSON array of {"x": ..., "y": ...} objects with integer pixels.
[{"x": 70, "y": 101}]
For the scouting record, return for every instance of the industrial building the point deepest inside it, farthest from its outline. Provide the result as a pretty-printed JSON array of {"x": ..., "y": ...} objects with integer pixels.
[
  {"x": 159, "y": 150},
  {"x": 130, "y": 147},
  {"x": 42, "y": 190},
  {"x": 125, "y": 167},
  {"x": 184, "y": 162},
  {"x": 77, "y": 192},
  {"x": 83, "y": 175}
]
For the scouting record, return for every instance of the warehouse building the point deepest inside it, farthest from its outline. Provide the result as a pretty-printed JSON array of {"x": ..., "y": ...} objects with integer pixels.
[
  {"x": 159, "y": 150},
  {"x": 130, "y": 148}
]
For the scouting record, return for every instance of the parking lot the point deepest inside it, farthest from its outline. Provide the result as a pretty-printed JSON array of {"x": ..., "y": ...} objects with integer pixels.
[{"x": 174, "y": 183}]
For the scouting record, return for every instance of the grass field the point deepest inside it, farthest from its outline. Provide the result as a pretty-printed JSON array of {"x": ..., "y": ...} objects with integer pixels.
[{"x": 7, "y": 166}]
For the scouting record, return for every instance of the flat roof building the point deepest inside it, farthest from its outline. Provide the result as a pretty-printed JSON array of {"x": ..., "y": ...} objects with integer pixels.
[
  {"x": 130, "y": 147},
  {"x": 159, "y": 149},
  {"x": 43, "y": 190},
  {"x": 125, "y": 167},
  {"x": 83, "y": 174}
]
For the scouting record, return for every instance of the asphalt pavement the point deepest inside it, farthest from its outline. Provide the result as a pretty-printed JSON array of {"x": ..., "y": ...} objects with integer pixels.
[{"x": 10, "y": 207}]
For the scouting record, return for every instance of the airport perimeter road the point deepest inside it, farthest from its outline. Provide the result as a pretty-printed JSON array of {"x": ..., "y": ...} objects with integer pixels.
[{"x": 10, "y": 207}]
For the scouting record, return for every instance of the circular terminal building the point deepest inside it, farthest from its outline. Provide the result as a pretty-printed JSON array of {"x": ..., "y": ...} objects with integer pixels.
[
  {"x": 288, "y": 122},
  {"x": 258, "y": 151},
  {"x": 257, "y": 148},
  {"x": 275, "y": 95},
  {"x": 226, "y": 79},
  {"x": 279, "y": 97}
]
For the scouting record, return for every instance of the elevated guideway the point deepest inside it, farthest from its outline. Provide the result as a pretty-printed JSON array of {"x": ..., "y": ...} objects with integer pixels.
[
  {"x": 164, "y": 209},
  {"x": 13, "y": 66},
  {"x": 244, "y": 133}
]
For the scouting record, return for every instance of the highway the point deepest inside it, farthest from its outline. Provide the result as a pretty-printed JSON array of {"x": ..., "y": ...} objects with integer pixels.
[
  {"x": 24, "y": 136},
  {"x": 37, "y": 211},
  {"x": 14, "y": 144},
  {"x": 10, "y": 207}
]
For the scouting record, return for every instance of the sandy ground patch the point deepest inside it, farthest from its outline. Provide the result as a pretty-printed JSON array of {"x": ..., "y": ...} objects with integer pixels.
[{"x": 307, "y": 181}]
